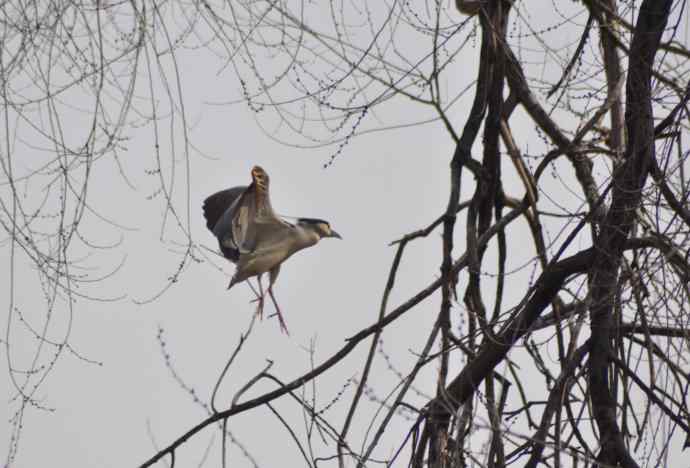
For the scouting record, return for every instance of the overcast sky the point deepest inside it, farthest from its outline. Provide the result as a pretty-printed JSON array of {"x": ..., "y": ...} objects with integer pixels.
[{"x": 115, "y": 411}]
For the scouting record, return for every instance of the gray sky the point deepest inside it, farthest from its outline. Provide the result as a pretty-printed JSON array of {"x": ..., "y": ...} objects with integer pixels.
[{"x": 380, "y": 187}]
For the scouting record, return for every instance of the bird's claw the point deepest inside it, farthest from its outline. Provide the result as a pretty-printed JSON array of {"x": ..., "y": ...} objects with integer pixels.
[
  {"x": 259, "y": 306},
  {"x": 283, "y": 326}
]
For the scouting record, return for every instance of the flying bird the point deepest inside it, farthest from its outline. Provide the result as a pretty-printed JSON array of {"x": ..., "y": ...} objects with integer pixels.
[{"x": 254, "y": 238}]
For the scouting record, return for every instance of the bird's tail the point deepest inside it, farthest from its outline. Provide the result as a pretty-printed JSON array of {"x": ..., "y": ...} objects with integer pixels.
[{"x": 234, "y": 280}]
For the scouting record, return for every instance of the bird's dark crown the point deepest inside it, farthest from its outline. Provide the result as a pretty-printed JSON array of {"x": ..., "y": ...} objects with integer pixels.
[{"x": 313, "y": 221}]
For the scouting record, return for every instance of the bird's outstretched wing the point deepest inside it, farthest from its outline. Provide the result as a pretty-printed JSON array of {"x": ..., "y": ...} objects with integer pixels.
[
  {"x": 252, "y": 214},
  {"x": 216, "y": 205},
  {"x": 242, "y": 217},
  {"x": 219, "y": 218}
]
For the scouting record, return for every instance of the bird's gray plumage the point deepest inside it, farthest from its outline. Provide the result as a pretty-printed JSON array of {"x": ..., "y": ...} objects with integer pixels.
[
  {"x": 252, "y": 236},
  {"x": 219, "y": 217}
]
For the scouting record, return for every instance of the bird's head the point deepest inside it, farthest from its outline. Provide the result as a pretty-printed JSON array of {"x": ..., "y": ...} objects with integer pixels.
[{"x": 319, "y": 226}]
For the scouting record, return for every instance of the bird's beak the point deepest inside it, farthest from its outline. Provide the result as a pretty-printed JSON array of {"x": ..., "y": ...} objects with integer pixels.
[{"x": 335, "y": 234}]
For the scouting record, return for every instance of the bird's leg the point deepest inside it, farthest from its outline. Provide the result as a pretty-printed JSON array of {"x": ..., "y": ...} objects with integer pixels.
[
  {"x": 283, "y": 327},
  {"x": 259, "y": 299},
  {"x": 272, "y": 276}
]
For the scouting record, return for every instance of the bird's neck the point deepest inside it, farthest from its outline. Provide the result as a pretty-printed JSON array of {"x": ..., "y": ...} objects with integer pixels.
[{"x": 305, "y": 238}]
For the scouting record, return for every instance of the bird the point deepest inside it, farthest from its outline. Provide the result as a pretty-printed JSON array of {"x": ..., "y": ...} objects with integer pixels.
[{"x": 254, "y": 238}]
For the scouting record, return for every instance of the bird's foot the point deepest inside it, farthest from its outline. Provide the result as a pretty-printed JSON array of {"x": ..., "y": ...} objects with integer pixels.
[
  {"x": 283, "y": 326},
  {"x": 259, "y": 306}
]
